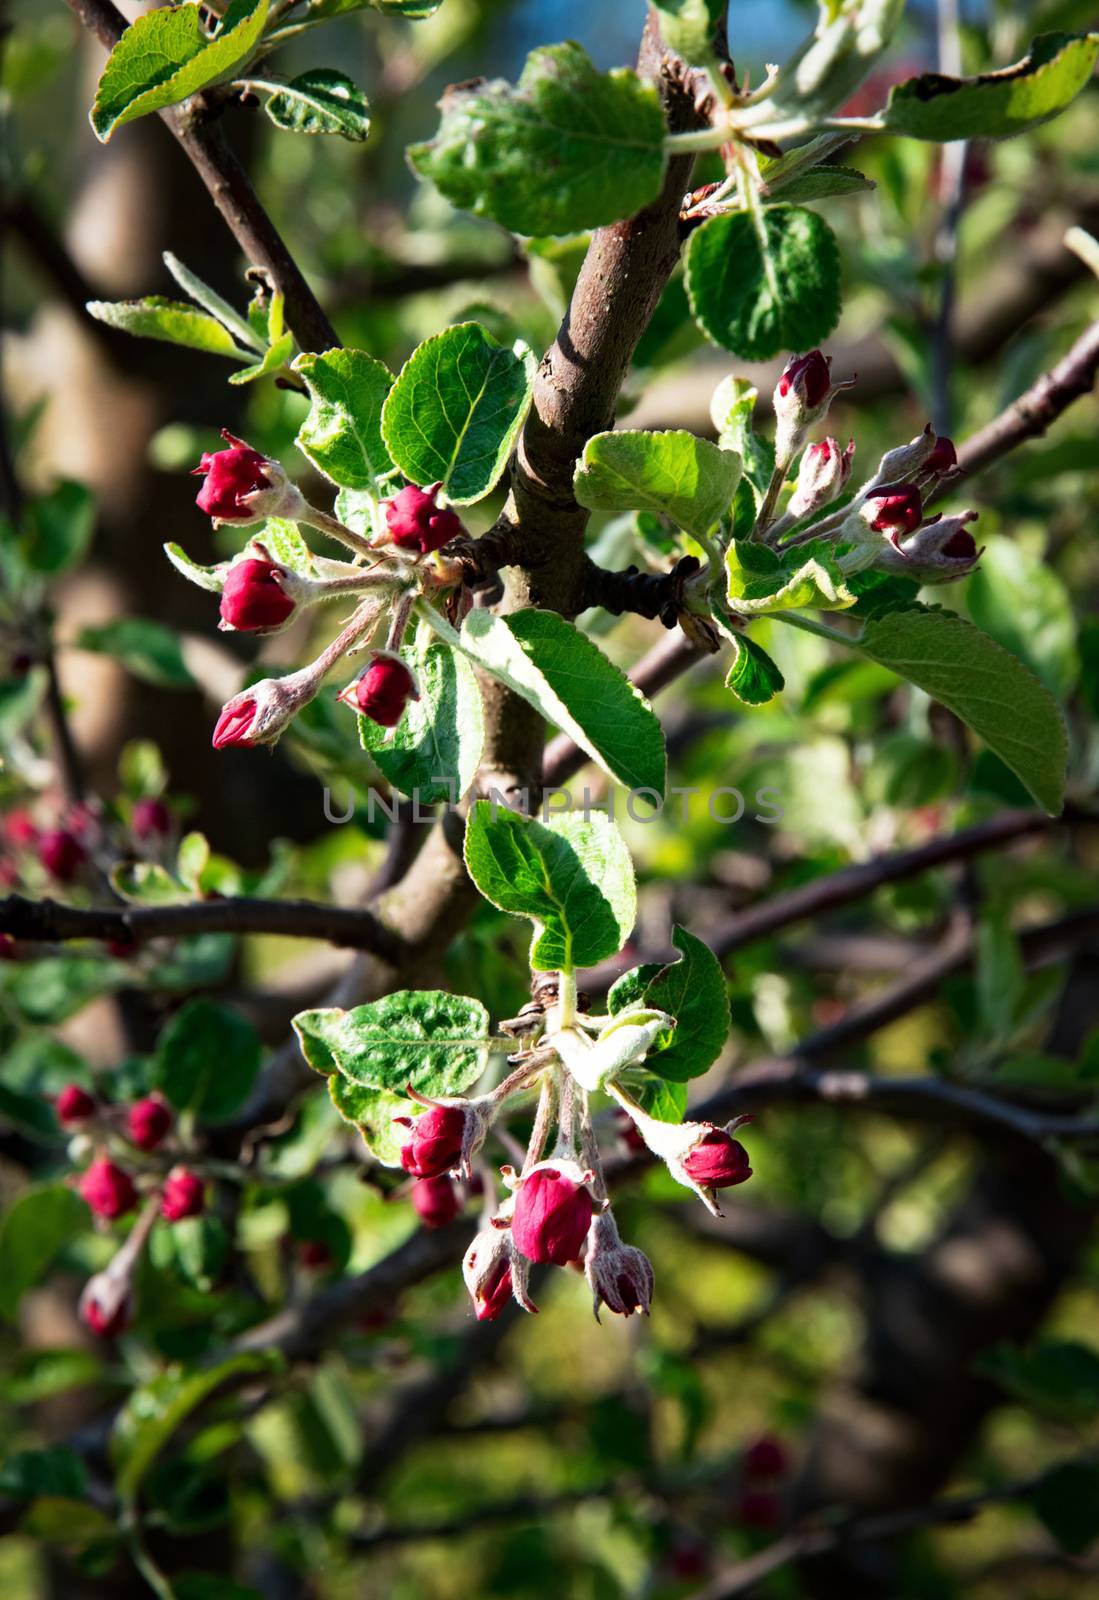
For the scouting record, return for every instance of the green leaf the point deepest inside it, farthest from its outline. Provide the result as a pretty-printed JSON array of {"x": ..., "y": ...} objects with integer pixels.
[
  {"x": 434, "y": 1041},
  {"x": 818, "y": 183},
  {"x": 274, "y": 357},
  {"x": 412, "y": 9},
  {"x": 660, "y": 1097},
  {"x": 1058, "y": 1377},
  {"x": 209, "y": 299},
  {"x": 30, "y": 1473},
  {"x": 732, "y": 409},
  {"x": 760, "y": 294},
  {"x": 1067, "y": 1502},
  {"x": 686, "y": 478},
  {"x": 569, "y": 148},
  {"x": 31, "y": 1114},
  {"x": 692, "y": 990},
  {"x": 50, "y": 990},
  {"x": 145, "y": 883},
  {"x": 372, "y": 1111},
  {"x": 753, "y": 676},
  {"x": 760, "y": 582},
  {"x": 151, "y": 651},
  {"x": 156, "y": 1409},
  {"x": 34, "y": 1229},
  {"x": 342, "y": 434},
  {"x": 154, "y": 317},
  {"x": 569, "y": 680},
  {"x": 688, "y": 27},
  {"x": 283, "y": 542},
  {"x": 456, "y": 408},
  {"x": 996, "y": 105},
  {"x": 59, "y": 529},
  {"x": 166, "y": 56},
  {"x": 1018, "y": 599},
  {"x": 984, "y": 685},
  {"x": 572, "y": 877},
  {"x": 55, "y": 1519},
  {"x": 211, "y": 578},
  {"x": 321, "y": 101},
  {"x": 434, "y": 751},
  {"x": 207, "y": 1058}
]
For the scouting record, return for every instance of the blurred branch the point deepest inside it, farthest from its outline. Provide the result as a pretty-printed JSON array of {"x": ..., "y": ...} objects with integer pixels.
[
  {"x": 231, "y": 190},
  {"x": 50, "y": 920},
  {"x": 814, "y": 1540}
]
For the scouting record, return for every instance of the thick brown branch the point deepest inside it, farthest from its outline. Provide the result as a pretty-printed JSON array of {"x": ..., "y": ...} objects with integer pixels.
[
  {"x": 50, "y": 921},
  {"x": 231, "y": 190}
]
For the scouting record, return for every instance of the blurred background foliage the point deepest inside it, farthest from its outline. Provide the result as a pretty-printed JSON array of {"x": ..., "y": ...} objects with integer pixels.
[{"x": 420, "y": 1458}]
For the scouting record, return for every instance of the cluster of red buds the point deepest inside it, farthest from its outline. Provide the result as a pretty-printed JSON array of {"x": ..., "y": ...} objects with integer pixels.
[
  {"x": 261, "y": 595},
  {"x": 885, "y": 522},
  {"x": 114, "y": 1183}
]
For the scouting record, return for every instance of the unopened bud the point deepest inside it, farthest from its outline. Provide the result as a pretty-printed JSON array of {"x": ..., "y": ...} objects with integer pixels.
[
  {"x": 938, "y": 552},
  {"x": 244, "y": 486},
  {"x": 148, "y": 1123},
  {"x": 553, "y": 1211},
  {"x": 105, "y": 1305},
  {"x": 183, "y": 1195},
  {"x": 383, "y": 690},
  {"x": 61, "y": 853},
  {"x": 107, "y": 1190},
  {"x": 802, "y": 396},
  {"x": 435, "y": 1201},
  {"x": 620, "y": 1276},
  {"x": 257, "y": 597},
  {"x": 415, "y": 521},
  {"x": 822, "y": 477},
  {"x": 74, "y": 1106}
]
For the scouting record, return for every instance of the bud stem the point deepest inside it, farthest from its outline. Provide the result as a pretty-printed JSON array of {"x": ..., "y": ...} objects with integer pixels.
[
  {"x": 770, "y": 501},
  {"x": 330, "y": 525}
]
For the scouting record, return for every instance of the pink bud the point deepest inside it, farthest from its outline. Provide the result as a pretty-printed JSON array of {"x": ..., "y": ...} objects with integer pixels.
[
  {"x": 105, "y": 1306},
  {"x": 254, "y": 599},
  {"x": 435, "y": 1201},
  {"x": 7, "y": 947},
  {"x": 231, "y": 477},
  {"x": 382, "y": 691},
  {"x": 74, "y": 1106},
  {"x": 19, "y": 829},
  {"x": 943, "y": 458},
  {"x": 621, "y": 1277},
  {"x": 495, "y": 1293},
  {"x": 151, "y": 819},
  {"x": 436, "y": 1144},
  {"x": 809, "y": 378},
  {"x": 718, "y": 1161},
  {"x": 108, "y": 1190},
  {"x": 236, "y": 719},
  {"x": 183, "y": 1195},
  {"x": 416, "y": 522},
  {"x": 61, "y": 853},
  {"x": 553, "y": 1211},
  {"x": 148, "y": 1123},
  {"x": 961, "y": 546},
  {"x": 895, "y": 509},
  {"x": 822, "y": 476}
]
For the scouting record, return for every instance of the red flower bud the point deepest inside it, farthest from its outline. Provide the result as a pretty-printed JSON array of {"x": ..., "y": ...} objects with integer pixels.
[
  {"x": 766, "y": 1458},
  {"x": 108, "y": 1190},
  {"x": 253, "y": 599},
  {"x": 760, "y": 1509},
  {"x": 183, "y": 1195},
  {"x": 232, "y": 475},
  {"x": 19, "y": 829},
  {"x": 495, "y": 1293},
  {"x": 105, "y": 1306},
  {"x": 810, "y": 378},
  {"x": 435, "y": 1201},
  {"x": 416, "y": 522},
  {"x": 436, "y": 1144},
  {"x": 7, "y": 947},
  {"x": 314, "y": 1255},
  {"x": 382, "y": 691},
  {"x": 494, "y": 1273},
  {"x": 148, "y": 1123},
  {"x": 895, "y": 509},
  {"x": 961, "y": 546},
  {"x": 620, "y": 1276},
  {"x": 61, "y": 853},
  {"x": 943, "y": 458},
  {"x": 151, "y": 819},
  {"x": 234, "y": 722},
  {"x": 74, "y": 1106},
  {"x": 553, "y": 1211},
  {"x": 718, "y": 1161}
]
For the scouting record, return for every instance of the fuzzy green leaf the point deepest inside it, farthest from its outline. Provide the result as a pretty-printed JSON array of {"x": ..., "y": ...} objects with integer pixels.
[
  {"x": 760, "y": 294},
  {"x": 689, "y": 479},
  {"x": 372, "y": 1111},
  {"x": 688, "y": 27},
  {"x": 434, "y": 751},
  {"x": 321, "y": 101},
  {"x": 436, "y": 1042},
  {"x": 342, "y": 435},
  {"x": 206, "y": 1061},
  {"x": 172, "y": 321},
  {"x": 167, "y": 55},
  {"x": 147, "y": 649},
  {"x": 996, "y": 105},
  {"x": 568, "y": 148},
  {"x": 753, "y": 676},
  {"x": 692, "y": 990},
  {"x": 35, "y": 1227},
  {"x": 983, "y": 684},
  {"x": 572, "y": 877},
  {"x": 819, "y": 183},
  {"x": 568, "y": 679},
  {"x": 759, "y": 582},
  {"x": 456, "y": 408}
]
